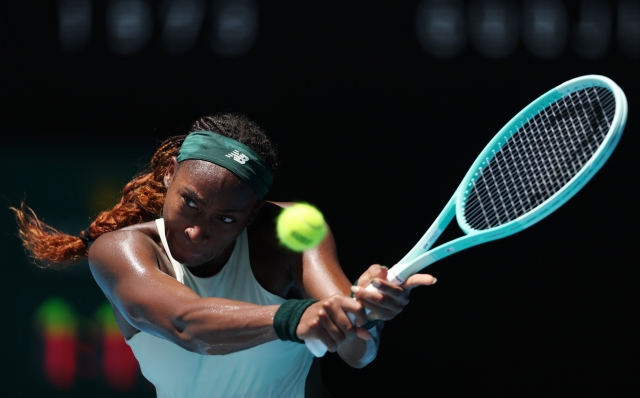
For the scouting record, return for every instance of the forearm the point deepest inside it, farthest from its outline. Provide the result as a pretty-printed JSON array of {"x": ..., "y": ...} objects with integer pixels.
[
  {"x": 215, "y": 326},
  {"x": 224, "y": 326},
  {"x": 359, "y": 353}
]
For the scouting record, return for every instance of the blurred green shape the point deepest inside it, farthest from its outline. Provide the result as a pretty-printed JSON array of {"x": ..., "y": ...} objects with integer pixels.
[
  {"x": 107, "y": 321},
  {"x": 56, "y": 317}
]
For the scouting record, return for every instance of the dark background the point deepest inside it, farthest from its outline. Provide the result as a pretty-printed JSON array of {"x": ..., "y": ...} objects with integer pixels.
[{"x": 375, "y": 131}]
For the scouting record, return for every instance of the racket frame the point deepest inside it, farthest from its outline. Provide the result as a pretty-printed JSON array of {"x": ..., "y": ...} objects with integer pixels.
[{"x": 420, "y": 256}]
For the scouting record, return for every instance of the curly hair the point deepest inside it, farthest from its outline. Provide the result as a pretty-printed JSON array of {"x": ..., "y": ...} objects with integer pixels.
[{"x": 142, "y": 197}]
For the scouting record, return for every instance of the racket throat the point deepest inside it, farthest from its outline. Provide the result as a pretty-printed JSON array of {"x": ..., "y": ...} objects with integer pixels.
[{"x": 434, "y": 231}]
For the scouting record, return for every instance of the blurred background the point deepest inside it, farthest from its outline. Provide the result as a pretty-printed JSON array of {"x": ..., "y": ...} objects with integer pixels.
[{"x": 378, "y": 109}]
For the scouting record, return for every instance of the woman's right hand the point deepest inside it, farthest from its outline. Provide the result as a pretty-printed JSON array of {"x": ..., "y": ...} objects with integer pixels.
[{"x": 327, "y": 321}]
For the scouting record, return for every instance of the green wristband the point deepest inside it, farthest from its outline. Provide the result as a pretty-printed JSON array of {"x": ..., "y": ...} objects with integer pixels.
[{"x": 287, "y": 318}]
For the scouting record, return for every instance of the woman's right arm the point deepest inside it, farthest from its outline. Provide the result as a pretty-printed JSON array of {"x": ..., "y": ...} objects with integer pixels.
[{"x": 125, "y": 266}]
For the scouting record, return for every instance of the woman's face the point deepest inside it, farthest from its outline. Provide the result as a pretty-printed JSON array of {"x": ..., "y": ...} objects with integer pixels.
[{"x": 205, "y": 210}]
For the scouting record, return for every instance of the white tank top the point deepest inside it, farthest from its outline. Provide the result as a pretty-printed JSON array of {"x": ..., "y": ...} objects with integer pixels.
[{"x": 274, "y": 369}]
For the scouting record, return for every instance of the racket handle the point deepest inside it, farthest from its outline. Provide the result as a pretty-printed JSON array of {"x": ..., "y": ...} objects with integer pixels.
[{"x": 317, "y": 347}]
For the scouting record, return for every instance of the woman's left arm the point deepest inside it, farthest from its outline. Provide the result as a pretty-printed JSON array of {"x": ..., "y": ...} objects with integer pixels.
[{"x": 319, "y": 276}]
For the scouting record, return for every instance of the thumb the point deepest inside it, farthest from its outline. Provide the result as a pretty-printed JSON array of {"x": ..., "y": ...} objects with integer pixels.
[
  {"x": 419, "y": 280},
  {"x": 382, "y": 272}
]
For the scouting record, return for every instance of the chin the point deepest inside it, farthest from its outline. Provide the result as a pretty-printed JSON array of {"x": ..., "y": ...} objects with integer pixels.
[{"x": 191, "y": 261}]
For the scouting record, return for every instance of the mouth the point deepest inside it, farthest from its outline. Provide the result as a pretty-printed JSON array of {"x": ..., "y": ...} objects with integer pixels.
[
  {"x": 189, "y": 254},
  {"x": 192, "y": 252}
]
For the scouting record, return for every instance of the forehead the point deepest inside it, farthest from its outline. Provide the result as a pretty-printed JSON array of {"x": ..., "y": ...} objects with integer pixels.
[{"x": 213, "y": 182}]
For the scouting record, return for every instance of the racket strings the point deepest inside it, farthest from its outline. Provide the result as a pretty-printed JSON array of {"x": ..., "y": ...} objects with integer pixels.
[
  {"x": 534, "y": 167},
  {"x": 539, "y": 158}
]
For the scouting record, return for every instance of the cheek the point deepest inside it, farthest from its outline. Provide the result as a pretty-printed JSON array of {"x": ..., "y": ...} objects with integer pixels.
[
  {"x": 169, "y": 201},
  {"x": 173, "y": 206},
  {"x": 224, "y": 233}
]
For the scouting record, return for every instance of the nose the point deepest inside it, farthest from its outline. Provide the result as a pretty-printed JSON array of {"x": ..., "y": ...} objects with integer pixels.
[{"x": 197, "y": 234}]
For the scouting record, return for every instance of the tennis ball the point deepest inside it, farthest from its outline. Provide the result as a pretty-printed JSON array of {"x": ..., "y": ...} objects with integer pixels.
[{"x": 301, "y": 227}]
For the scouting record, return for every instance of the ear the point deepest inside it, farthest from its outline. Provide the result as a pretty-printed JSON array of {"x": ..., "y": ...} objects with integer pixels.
[
  {"x": 170, "y": 172},
  {"x": 254, "y": 213}
]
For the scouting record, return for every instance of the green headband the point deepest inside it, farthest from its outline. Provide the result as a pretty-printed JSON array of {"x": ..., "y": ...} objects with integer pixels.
[{"x": 230, "y": 154}]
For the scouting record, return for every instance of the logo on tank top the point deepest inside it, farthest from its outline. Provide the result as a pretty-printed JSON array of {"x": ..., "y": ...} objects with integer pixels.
[{"x": 238, "y": 157}]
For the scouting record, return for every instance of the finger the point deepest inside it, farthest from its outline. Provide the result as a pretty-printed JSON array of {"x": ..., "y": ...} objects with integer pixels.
[
  {"x": 341, "y": 320},
  {"x": 316, "y": 329},
  {"x": 327, "y": 340},
  {"x": 374, "y": 271},
  {"x": 388, "y": 288},
  {"x": 381, "y": 273},
  {"x": 379, "y": 305},
  {"x": 355, "y": 307},
  {"x": 383, "y": 293},
  {"x": 332, "y": 330},
  {"x": 350, "y": 330},
  {"x": 379, "y": 312},
  {"x": 419, "y": 280},
  {"x": 363, "y": 333}
]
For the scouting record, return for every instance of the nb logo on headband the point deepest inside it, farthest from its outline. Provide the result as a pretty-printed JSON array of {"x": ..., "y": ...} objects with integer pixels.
[{"x": 238, "y": 157}]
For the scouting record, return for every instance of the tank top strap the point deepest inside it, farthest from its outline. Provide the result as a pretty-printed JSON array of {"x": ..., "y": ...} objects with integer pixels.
[{"x": 177, "y": 267}]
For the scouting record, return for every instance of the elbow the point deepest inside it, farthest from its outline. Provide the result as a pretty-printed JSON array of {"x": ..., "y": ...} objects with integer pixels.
[
  {"x": 193, "y": 338},
  {"x": 170, "y": 328},
  {"x": 187, "y": 338},
  {"x": 191, "y": 343}
]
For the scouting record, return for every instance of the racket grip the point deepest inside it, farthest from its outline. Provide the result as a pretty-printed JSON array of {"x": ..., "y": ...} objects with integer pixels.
[{"x": 317, "y": 347}]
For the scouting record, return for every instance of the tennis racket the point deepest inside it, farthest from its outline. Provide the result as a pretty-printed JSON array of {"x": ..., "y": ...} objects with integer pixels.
[{"x": 537, "y": 162}]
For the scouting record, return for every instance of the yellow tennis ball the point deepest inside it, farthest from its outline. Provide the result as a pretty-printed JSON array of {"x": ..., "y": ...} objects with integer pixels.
[{"x": 301, "y": 227}]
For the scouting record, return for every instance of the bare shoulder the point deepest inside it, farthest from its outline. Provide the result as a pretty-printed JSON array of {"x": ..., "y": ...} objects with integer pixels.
[
  {"x": 128, "y": 250},
  {"x": 266, "y": 219},
  {"x": 136, "y": 238},
  {"x": 282, "y": 205},
  {"x": 263, "y": 231},
  {"x": 271, "y": 262}
]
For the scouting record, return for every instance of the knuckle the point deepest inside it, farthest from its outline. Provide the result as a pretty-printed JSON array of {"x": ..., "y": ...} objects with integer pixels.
[{"x": 330, "y": 301}]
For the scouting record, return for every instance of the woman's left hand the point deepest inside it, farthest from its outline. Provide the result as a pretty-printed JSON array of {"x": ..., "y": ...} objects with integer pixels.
[{"x": 390, "y": 299}]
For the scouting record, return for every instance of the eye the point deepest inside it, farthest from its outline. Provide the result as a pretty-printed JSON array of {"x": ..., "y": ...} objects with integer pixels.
[
  {"x": 190, "y": 202},
  {"x": 226, "y": 219}
]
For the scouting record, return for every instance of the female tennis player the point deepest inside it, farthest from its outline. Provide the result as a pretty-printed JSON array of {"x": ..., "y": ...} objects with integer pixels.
[{"x": 209, "y": 301}]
